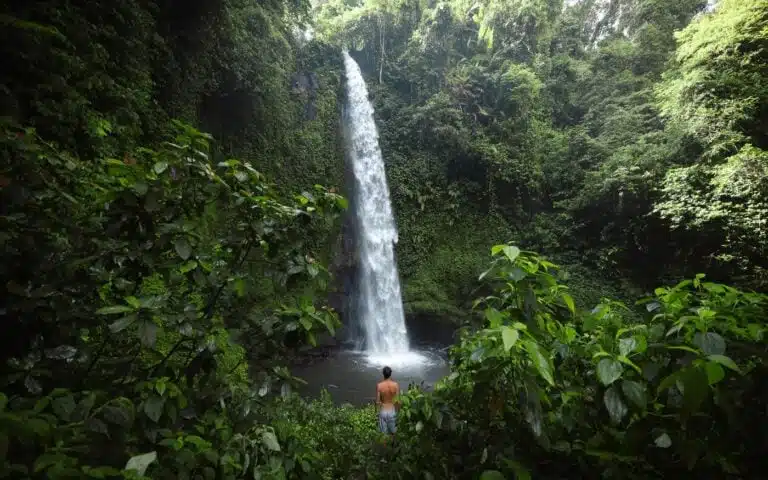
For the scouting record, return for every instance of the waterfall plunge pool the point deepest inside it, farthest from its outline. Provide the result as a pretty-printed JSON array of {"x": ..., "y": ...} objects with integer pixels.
[{"x": 351, "y": 376}]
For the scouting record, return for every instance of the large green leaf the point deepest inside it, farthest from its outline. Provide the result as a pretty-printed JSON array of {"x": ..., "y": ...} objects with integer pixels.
[
  {"x": 188, "y": 266},
  {"x": 64, "y": 406},
  {"x": 139, "y": 463},
  {"x": 183, "y": 249},
  {"x": 123, "y": 323},
  {"x": 114, "y": 309},
  {"x": 511, "y": 252},
  {"x": 494, "y": 317},
  {"x": 609, "y": 370},
  {"x": 153, "y": 407},
  {"x": 47, "y": 460},
  {"x": 540, "y": 361},
  {"x": 492, "y": 475},
  {"x": 509, "y": 336},
  {"x": 306, "y": 322},
  {"x": 516, "y": 274},
  {"x": 270, "y": 440},
  {"x": 715, "y": 372},
  {"x": 663, "y": 441},
  {"x": 97, "y": 426},
  {"x": 635, "y": 392},
  {"x": 160, "y": 167},
  {"x": 725, "y": 361},
  {"x": 614, "y": 404},
  {"x": 710, "y": 343},
  {"x": 132, "y": 301},
  {"x": 628, "y": 345},
  {"x": 569, "y": 302},
  {"x": 521, "y": 473},
  {"x": 117, "y": 415},
  {"x": 695, "y": 388},
  {"x": 669, "y": 381},
  {"x": 148, "y": 333}
]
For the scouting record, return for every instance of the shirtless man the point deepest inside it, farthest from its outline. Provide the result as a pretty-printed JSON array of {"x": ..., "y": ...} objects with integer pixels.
[{"x": 386, "y": 391}]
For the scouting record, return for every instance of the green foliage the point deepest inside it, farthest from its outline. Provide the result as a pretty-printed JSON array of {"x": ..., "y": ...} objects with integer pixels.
[
  {"x": 327, "y": 441},
  {"x": 151, "y": 292},
  {"x": 717, "y": 94},
  {"x": 547, "y": 390},
  {"x": 143, "y": 267},
  {"x": 590, "y": 129}
]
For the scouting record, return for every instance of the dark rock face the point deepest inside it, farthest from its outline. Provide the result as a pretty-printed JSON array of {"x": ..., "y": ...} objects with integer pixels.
[
  {"x": 305, "y": 85},
  {"x": 305, "y": 82},
  {"x": 344, "y": 270},
  {"x": 425, "y": 330}
]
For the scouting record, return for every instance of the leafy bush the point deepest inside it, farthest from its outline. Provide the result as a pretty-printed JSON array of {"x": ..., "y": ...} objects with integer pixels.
[
  {"x": 329, "y": 441},
  {"x": 127, "y": 281},
  {"x": 551, "y": 390}
]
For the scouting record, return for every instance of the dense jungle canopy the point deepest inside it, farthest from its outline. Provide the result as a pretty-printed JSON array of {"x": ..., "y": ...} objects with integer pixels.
[{"x": 173, "y": 216}]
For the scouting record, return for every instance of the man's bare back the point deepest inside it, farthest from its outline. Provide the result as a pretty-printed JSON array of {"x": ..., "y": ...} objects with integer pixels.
[{"x": 386, "y": 391}]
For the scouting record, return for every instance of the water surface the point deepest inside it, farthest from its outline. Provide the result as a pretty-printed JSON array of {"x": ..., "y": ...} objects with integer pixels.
[{"x": 351, "y": 376}]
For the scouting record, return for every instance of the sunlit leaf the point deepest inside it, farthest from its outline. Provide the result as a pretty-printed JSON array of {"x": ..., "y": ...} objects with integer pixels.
[
  {"x": 511, "y": 252},
  {"x": 652, "y": 306},
  {"x": 132, "y": 301},
  {"x": 509, "y": 337},
  {"x": 569, "y": 302},
  {"x": 663, "y": 441},
  {"x": 264, "y": 389},
  {"x": 306, "y": 323},
  {"x": 140, "y": 463},
  {"x": 540, "y": 361},
  {"x": 270, "y": 440},
  {"x": 188, "y": 266},
  {"x": 494, "y": 317}
]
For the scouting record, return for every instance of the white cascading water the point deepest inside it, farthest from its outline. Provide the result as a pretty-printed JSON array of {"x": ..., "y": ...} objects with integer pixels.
[{"x": 379, "y": 303}]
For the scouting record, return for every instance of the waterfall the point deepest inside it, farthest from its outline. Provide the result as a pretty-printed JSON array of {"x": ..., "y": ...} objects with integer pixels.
[{"x": 379, "y": 305}]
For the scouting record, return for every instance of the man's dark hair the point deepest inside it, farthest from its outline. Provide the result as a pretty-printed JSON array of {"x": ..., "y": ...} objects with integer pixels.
[{"x": 387, "y": 372}]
